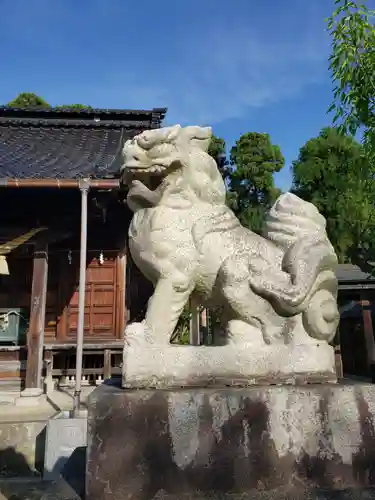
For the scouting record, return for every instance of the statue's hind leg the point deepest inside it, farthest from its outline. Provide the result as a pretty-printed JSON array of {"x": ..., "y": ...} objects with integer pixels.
[
  {"x": 261, "y": 320},
  {"x": 247, "y": 307}
]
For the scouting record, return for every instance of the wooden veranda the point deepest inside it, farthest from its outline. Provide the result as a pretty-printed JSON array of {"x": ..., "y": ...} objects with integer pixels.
[{"x": 63, "y": 229}]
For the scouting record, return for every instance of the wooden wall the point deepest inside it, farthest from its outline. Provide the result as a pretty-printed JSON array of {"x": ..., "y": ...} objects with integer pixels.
[
  {"x": 15, "y": 288},
  {"x": 115, "y": 292},
  {"x": 104, "y": 298},
  {"x": 356, "y": 332},
  {"x": 105, "y": 308}
]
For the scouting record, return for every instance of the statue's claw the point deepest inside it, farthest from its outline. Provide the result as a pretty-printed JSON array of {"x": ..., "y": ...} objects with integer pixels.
[{"x": 138, "y": 334}]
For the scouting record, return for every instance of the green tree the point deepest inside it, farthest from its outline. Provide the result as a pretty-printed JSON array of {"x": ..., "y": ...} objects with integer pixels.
[
  {"x": 352, "y": 65},
  {"x": 73, "y": 106},
  {"x": 333, "y": 172},
  {"x": 28, "y": 100},
  {"x": 254, "y": 161},
  {"x": 217, "y": 149}
]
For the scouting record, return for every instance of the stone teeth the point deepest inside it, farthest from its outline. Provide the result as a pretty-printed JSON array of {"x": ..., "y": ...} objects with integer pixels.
[
  {"x": 144, "y": 170},
  {"x": 137, "y": 170}
]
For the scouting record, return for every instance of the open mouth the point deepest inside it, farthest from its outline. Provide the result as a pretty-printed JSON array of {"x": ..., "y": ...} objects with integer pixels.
[
  {"x": 149, "y": 176},
  {"x": 135, "y": 169}
]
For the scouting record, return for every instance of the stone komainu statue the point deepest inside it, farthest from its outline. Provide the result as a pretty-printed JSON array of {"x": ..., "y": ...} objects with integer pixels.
[{"x": 277, "y": 291}]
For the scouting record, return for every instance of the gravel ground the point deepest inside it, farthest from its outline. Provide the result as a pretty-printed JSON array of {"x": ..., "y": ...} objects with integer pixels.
[{"x": 36, "y": 490}]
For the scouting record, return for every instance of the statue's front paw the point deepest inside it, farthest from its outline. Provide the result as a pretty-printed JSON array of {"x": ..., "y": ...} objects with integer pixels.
[{"x": 138, "y": 335}]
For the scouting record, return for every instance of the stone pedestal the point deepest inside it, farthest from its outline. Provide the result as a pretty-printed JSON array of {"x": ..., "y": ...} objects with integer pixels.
[
  {"x": 31, "y": 397},
  {"x": 65, "y": 451},
  {"x": 260, "y": 442},
  {"x": 148, "y": 364}
]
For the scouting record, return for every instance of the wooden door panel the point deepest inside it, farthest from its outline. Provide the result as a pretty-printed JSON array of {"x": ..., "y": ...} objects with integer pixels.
[
  {"x": 102, "y": 319},
  {"x": 102, "y": 297},
  {"x": 73, "y": 321},
  {"x": 101, "y": 273},
  {"x": 75, "y": 298},
  {"x": 100, "y": 301}
]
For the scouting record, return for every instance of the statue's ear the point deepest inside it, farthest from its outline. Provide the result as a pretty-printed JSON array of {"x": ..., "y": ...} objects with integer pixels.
[
  {"x": 172, "y": 133},
  {"x": 150, "y": 138},
  {"x": 199, "y": 137}
]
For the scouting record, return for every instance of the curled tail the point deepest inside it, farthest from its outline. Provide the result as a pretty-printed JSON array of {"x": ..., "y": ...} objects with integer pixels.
[{"x": 307, "y": 283}]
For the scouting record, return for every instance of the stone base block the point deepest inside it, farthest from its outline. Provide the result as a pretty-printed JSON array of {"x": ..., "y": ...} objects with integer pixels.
[
  {"x": 284, "y": 442},
  {"x": 65, "y": 452},
  {"x": 149, "y": 365},
  {"x": 31, "y": 397}
]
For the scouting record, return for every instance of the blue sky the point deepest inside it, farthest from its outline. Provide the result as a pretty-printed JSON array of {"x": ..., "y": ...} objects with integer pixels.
[{"x": 238, "y": 65}]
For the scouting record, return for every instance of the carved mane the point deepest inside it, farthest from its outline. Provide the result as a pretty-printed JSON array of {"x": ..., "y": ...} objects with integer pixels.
[{"x": 178, "y": 155}]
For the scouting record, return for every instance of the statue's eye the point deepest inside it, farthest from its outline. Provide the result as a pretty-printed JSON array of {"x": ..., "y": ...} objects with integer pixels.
[{"x": 145, "y": 141}]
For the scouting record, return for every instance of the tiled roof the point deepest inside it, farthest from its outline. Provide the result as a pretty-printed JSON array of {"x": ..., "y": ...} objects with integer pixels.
[
  {"x": 68, "y": 144},
  {"x": 350, "y": 272}
]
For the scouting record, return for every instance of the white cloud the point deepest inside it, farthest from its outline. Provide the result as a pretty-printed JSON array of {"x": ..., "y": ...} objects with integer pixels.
[
  {"x": 225, "y": 73},
  {"x": 216, "y": 69}
]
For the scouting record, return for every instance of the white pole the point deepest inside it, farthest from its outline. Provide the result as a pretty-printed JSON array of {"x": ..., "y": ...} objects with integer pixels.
[{"x": 84, "y": 188}]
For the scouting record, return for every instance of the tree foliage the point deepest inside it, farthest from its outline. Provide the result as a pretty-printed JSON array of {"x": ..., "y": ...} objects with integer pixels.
[
  {"x": 28, "y": 100},
  {"x": 217, "y": 150},
  {"x": 334, "y": 173},
  {"x": 216, "y": 147},
  {"x": 352, "y": 65},
  {"x": 73, "y": 107},
  {"x": 254, "y": 160},
  {"x": 249, "y": 175}
]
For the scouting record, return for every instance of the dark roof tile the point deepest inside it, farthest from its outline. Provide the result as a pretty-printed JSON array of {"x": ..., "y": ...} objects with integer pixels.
[
  {"x": 350, "y": 272},
  {"x": 70, "y": 113},
  {"x": 68, "y": 144}
]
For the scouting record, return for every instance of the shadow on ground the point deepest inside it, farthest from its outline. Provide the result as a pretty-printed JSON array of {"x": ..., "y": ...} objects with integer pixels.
[{"x": 18, "y": 481}]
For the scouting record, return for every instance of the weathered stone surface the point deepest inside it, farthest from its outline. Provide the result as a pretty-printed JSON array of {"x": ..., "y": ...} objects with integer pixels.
[
  {"x": 31, "y": 397},
  {"x": 21, "y": 448},
  {"x": 278, "y": 494},
  {"x": 37, "y": 490},
  {"x": 261, "y": 442},
  {"x": 66, "y": 441},
  {"x": 277, "y": 291},
  {"x": 149, "y": 365}
]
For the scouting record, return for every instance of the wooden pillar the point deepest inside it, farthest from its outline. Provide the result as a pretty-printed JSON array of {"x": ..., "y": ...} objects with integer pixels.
[
  {"x": 35, "y": 336},
  {"x": 369, "y": 334},
  {"x": 194, "y": 322}
]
